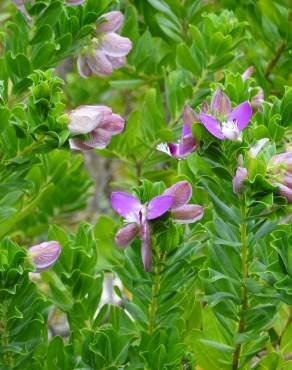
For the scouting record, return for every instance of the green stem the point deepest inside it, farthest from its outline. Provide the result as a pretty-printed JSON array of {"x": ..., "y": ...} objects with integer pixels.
[
  {"x": 4, "y": 336},
  {"x": 274, "y": 61},
  {"x": 155, "y": 291},
  {"x": 244, "y": 262}
]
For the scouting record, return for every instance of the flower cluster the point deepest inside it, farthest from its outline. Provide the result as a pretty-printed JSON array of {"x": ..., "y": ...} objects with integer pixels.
[
  {"x": 137, "y": 215},
  {"x": 108, "y": 51},
  {"x": 97, "y": 122}
]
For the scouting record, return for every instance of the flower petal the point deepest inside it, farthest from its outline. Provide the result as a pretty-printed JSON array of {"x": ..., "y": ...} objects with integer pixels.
[
  {"x": 181, "y": 193},
  {"x": 83, "y": 67},
  {"x": 126, "y": 204},
  {"x": 158, "y": 206},
  {"x": 44, "y": 255},
  {"x": 111, "y": 22},
  {"x": 189, "y": 116},
  {"x": 188, "y": 213},
  {"x": 99, "y": 139},
  {"x": 115, "y": 45},
  {"x": 256, "y": 149},
  {"x": 285, "y": 191},
  {"x": 126, "y": 235},
  {"x": 247, "y": 73},
  {"x": 113, "y": 123},
  {"x": 186, "y": 146},
  {"x": 117, "y": 62},
  {"x": 220, "y": 104},
  {"x": 146, "y": 246},
  {"x": 99, "y": 63},
  {"x": 241, "y": 115},
  {"x": 212, "y": 125},
  {"x": 78, "y": 144}
]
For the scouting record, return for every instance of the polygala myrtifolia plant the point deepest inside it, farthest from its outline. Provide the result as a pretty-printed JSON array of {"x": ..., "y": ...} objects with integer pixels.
[{"x": 190, "y": 104}]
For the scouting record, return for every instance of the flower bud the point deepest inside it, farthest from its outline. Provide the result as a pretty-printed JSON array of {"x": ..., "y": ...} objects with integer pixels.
[
  {"x": 110, "y": 22},
  {"x": 86, "y": 118},
  {"x": 45, "y": 255},
  {"x": 220, "y": 104},
  {"x": 285, "y": 191},
  {"x": 238, "y": 179},
  {"x": 258, "y": 99},
  {"x": 188, "y": 213},
  {"x": 181, "y": 193},
  {"x": 126, "y": 235},
  {"x": 146, "y": 246},
  {"x": 247, "y": 73}
]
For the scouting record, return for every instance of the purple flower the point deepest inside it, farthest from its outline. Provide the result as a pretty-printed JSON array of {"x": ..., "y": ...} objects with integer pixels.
[
  {"x": 97, "y": 122},
  {"x": 223, "y": 122},
  {"x": 74, "y": 2},
  {"x": 44, "y": 255},
  {"x": 109, "y": 49},
  {"x": 182, "y": 212},
  {"x": 137, "y": 216},
  {"x": 281, "y": 173},
  {"x": 187, "y": 144}
]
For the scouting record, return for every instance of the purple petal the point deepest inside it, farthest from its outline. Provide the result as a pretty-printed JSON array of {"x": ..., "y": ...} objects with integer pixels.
[
  {"x": 158, "y": 206},
  {"x": 173, "y": 150},
  {"x": 111, "y": 22},
  {"x": 241, "y": 115},
  {"x": 44, "y": 255},
  {"x": 238, "y": 179},
  {"x": 146, "y": 246},
  {"x": 189, "y": 116},
  {"x": 99, "y": 139},
  {"x": 126, "y": 235},
  {"x": 212, "y": 125},
  {"x": 181, "y": 193},
  {"x": 115, "y": 45},
  {"x": 113, "y": 123},
  {"x": 86, "y": 118},
  {"x": 287, "y": 180},
  {"x": 188, "y": 213},
  {"x": 99, "y": 63},
  {"x": 258, "y": 99},
  {"x": 283, "y": 159},
  {"x": 125, "y": 204},
  {"x": 205, "y": 107},
  {"x": 220, "y": 104},
  {"x": 186, "y": 146},
  {"x": 83, "y": 67},
  {"x": 117, "y": 62},
  {"x": 247, "y": 73}
]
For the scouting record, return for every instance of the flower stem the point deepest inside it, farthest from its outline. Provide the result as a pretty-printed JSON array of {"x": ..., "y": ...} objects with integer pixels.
[
  {"x": 155, "y": 291},
  {"x": 244, "y": 262},
  {"x": 274, "y": 61}
]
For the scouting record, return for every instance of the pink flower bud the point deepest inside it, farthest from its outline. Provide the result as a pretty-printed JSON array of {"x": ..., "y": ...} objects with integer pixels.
[
  {"x": 99, "y": 63},
  {"x": 110, "y": 22},
  {"x": 117, "y": 62},
  {"x": 238, "y": 179},
  {"x": 86, "y": 118},
  {"x": 247, "y": 73},
  {"x": 146, "y": 246},
  {"x": 188, "y": 213},
  {"x": 285, "y": 191},
  {"x": 45, "y": 255},
  {"x": 258, "y": 99},
  {"x": 115, "y": 45},
  {"x": 126, "y": 235}
]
